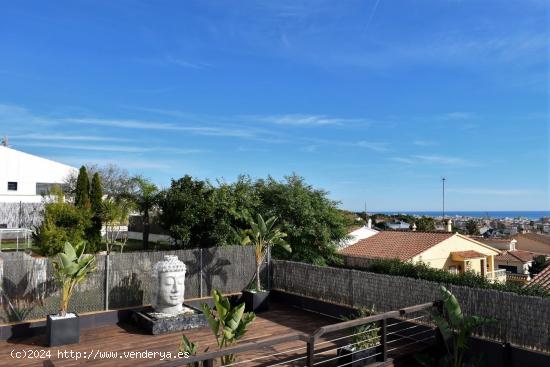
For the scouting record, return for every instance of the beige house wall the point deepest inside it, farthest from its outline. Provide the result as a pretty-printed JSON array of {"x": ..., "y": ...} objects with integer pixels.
[{"x": 439, "y": 256}]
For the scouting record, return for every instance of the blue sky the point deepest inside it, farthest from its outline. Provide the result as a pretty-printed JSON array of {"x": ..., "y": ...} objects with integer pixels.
[{"x": 371, "y": 100}]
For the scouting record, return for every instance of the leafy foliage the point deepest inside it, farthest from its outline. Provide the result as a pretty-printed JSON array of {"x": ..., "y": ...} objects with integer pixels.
[
  {"x": 367, "y": 335},
  {"x": 262, "y": 235},
  {"x": 311, "y": 220},
  {"x": 71, "y": 267},
  {"x": 228, "y": 323},
  {"x": 455, "y": 329},
  {"x": 115, "y": 216},
  {"x": 423, "y": 271},
  {"x": 93, "y": 233},
  {"x": 471, "y": 228},
  {"x": 187, "y": 212},
  {"x": 63, "y": 222},
  {"x": 145, "y": 196},
  {"x": 199, "y": 214},
  {"x": 114, "y": 180},
  {"x": 190, "y": 349},
  {"x": 82, "y": 192},
  {"x": 425, "y": 224},
  {"x": 539, "y": 263}
]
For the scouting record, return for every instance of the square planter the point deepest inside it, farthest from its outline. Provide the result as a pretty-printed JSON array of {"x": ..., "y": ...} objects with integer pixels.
[
  {"x": 61, "y": 331},
  {"x": 256, "y": 301},
  {"x": 351, "y": 358}
]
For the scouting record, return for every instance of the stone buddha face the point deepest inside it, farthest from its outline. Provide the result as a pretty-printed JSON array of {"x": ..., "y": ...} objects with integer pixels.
[
  {"x": 171, "y": 288},
  {"x": 170, "y": 285}
]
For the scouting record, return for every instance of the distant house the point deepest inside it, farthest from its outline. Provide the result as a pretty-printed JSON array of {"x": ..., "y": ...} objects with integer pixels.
[
  {"x": 516, "y": 263},
  {"x": 357, "y": 235},
  {"x": 396, "y": 225},
  {"x": 534, "y": 242},
  {"x": 442, "y": 250}
]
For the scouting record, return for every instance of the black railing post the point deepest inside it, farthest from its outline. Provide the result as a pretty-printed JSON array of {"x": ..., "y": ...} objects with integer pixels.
[
  {"x": 310, "y": 352},
  {"x": 208, "y": 363},
  {"x": 384, "y": 341}
]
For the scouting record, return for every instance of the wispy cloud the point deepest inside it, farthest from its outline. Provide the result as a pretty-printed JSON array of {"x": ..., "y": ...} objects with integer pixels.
[
  {"x": 152, "y": 125},
  {"x": 111, "y": 148},
  {"x": 304, "y": 120},
  {"x": 495, "y": 192},
  {"x": 184, "y": 63},
  {"x": 424, "y": 143},
  {"x": 376, "y": 146},
  {"x": 434, "y": 159},
  {"x": 65, "y": 137}
]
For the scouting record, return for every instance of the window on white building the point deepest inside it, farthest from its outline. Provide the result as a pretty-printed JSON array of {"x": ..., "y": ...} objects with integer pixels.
[{"x": 12, "y": 186}]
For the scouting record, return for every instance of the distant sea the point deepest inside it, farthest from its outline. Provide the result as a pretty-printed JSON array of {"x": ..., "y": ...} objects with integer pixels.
[{"x": 480, "y": 214}]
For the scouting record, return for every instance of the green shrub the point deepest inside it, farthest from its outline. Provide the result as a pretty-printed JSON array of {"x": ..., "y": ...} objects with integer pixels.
[
  {"x": 63, "y": 222},
  {"x": 425, "y": 272}
]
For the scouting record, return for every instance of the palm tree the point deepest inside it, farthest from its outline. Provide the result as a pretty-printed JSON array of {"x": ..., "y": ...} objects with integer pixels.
[
  {"x": 145, "y": 197},
  {"x": 262, "y": 235}
]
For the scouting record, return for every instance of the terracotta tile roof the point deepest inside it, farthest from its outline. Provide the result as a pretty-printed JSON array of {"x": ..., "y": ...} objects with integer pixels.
[
  {"x": 395, "y": 244},
  {"x": 516, "y": 255},
  {"x": 470, "y": 254},
  {"x": 542, "y": 279},
  {"x": 542, "y": 238}
]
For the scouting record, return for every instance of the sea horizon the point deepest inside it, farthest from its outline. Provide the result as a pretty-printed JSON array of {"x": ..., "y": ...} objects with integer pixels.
[{"x": 494, "y": 214}]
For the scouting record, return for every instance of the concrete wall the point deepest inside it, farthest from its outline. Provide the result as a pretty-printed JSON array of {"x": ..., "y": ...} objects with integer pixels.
[{"x": 522, "y": 320}]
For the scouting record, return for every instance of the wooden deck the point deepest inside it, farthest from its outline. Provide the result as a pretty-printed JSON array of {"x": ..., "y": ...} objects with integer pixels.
[{"x": 121, "y": 339}]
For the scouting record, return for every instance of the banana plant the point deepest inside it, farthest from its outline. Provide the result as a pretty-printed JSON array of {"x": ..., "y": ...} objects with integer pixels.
[
  {"x": 455, "y": 329},
  {"x": 228, "y": 323},
  {"x": 71, "y": 267},
  {"x": 189, "y": 348},
  {"x": 262, "y": 235}
]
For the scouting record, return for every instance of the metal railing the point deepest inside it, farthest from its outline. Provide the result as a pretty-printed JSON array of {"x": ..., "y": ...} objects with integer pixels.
[
  {"x": 15, "y": 234},
  {"x": 498, "y": 275},
  {"x": 314, "y": 356}
]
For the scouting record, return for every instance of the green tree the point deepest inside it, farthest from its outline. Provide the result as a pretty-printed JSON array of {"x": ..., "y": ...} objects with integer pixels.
[
  {"x": 82, "y": 192},
  {"x": 311, "y": 220},
  {"x": 115, "y": 217},
  {"x": 471, "y": 227},
  {"x": 96, "y": 199},
  {"x": 539, "y": 263},
  {"x": 145, "y": 196},
  {"x": 425, "y": 224},
  {"x": 187, "y": 209}
]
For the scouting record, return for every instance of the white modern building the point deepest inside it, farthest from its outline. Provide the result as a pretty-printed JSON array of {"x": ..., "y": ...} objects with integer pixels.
[{"x": 24, "y": 179}]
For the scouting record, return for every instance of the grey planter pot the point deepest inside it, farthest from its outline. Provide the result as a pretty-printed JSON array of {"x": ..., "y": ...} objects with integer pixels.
[
  {"x": 256, "y": 301},
  {"x": 63, "y": 331}
]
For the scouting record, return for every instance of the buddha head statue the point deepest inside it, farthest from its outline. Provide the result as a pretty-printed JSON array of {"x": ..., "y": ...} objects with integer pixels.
[{"x": 169, "y": 285}]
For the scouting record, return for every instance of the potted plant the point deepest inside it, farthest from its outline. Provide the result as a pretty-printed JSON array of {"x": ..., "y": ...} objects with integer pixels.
[
  {"x": 262, "y": 235},
  {"x": 363, "y": 345},
  {"x": 71, "y": 267},
  {"x": 228, "y": 324},
  {"x": 455, "y": 328}
]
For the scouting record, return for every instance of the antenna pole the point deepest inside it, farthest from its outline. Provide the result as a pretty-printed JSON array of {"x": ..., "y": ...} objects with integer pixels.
[{"x": 443, "y": 181}]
